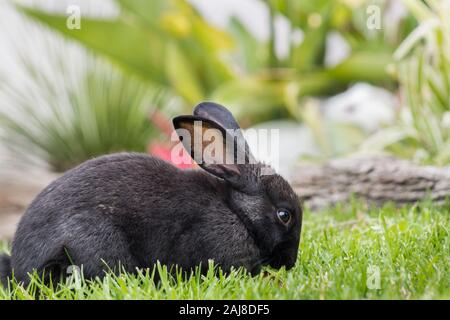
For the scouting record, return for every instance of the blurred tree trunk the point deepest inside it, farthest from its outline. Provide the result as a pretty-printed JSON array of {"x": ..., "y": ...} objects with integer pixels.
[{"x": 376, "y": 180}]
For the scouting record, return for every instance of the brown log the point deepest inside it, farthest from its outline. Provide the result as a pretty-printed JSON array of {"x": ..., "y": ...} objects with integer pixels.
[{"x": 376, "y": 180}]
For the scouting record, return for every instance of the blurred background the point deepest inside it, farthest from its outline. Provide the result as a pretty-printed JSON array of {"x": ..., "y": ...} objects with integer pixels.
[{"x": 338, "y": 78}]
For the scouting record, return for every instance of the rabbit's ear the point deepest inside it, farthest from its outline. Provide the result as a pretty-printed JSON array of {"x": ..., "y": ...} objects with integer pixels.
[
  {"x": 222, "y": 116},
  {"x": 210, "y": 145},
  {"x": 217, "y": 113}
]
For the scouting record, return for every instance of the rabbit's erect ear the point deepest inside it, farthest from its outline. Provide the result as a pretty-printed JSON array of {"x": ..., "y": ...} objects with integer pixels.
[
  {"x": 222, "y": 116},
  {"x": 210, "y": 145}
]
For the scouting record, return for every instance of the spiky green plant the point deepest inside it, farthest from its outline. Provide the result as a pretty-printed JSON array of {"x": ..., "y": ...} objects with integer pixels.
[
  {"x": 423, "y": 66},
  {"x": 78, "y": 108}
]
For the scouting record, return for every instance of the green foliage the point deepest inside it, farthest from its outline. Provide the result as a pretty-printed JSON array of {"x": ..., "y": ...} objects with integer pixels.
[
  {"x": 338, "y": 248},
  {"x": 165, "y": 42},
  {"x": 423, "y": 68},
  {"x": 169, "y": 43},
  {"x": 286, "y": 81},
  {"x": 66, "y": 121},
  {"x": 347, "y": 18}
]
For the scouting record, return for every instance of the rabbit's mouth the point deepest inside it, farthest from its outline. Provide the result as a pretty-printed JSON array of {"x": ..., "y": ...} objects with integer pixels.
[
  {"x": 282, "y": 255},
  {"x": 282, "y": 260},
  {"x": 256, "y": 267}
]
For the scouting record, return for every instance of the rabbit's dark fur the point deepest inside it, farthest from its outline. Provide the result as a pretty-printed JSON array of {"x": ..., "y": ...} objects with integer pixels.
[
  {"x": 5, "y": 268},
  {"x": 132, "y": 210}
]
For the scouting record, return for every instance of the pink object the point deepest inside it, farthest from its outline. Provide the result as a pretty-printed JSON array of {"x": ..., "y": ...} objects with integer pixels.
[{"x": 164, "y": 152}]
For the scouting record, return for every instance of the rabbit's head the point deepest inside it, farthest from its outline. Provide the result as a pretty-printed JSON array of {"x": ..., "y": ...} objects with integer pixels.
[{"x": 262, "y": 199}]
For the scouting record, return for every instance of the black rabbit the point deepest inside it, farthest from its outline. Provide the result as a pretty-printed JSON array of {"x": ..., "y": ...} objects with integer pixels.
[{"x": 132, "y": 210}]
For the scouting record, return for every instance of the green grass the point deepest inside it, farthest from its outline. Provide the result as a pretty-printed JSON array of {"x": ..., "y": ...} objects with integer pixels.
[{"x": 409, "y": 246}]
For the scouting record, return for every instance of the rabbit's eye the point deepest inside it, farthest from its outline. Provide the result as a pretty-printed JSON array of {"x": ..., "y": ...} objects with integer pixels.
[{"x": 284, "y": 216}]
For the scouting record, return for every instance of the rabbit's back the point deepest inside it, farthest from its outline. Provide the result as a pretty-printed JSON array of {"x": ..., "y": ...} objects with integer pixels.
[{"x": 109, "y": 186}]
